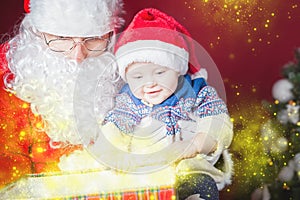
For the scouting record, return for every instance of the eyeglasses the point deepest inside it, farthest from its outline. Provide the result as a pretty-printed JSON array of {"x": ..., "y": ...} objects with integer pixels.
[{"x": 66, "y": 44}]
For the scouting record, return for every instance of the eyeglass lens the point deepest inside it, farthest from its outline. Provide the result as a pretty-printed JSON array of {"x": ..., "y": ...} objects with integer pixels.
[{"x": 67, "y": 44}]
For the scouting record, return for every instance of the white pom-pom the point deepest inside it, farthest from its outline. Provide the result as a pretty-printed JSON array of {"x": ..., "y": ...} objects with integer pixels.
[
  {"x": 282, "y": 116},
  {"x": 281, "y": 90},
  {"x": 297, "y": 162},
  {"x": 286, "y": 173},
  {"x": 293, "y": 113}
]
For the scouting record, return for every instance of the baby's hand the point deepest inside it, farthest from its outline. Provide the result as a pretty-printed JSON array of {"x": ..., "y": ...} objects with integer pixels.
[
  {"x": 200, "y": 144},
  {"x": 185, "y": 149}
]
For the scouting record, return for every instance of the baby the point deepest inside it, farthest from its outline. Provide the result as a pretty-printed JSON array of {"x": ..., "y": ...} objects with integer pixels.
[{"x": 156, "y": 58}]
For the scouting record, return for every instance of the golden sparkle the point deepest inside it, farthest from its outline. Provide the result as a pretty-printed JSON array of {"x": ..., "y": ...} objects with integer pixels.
[{"x": 40, "y": 150}]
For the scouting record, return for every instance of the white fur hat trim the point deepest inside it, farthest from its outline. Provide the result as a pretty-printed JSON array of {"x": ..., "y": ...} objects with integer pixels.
[
  {"x": 154, "y": 51},
  {"x": 75, "y": 18}
]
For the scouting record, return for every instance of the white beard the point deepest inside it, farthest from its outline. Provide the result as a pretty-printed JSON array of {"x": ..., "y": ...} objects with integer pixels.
[{"x": 48, "y": 81}]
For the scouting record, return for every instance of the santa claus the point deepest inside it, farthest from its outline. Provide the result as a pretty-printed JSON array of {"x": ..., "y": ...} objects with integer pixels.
[{"x": 57, "y": 42}]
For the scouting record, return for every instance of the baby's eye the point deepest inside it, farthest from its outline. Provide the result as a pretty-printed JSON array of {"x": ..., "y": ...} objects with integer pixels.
[
  {"x": 160, "y": 72},
  {"x": 64, "y": 38},
  {"x": 137, "y": 77}
]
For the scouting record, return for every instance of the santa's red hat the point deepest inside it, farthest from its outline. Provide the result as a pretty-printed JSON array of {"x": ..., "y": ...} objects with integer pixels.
[
  {"x": 75, "y": 18},
  {"x": 155, "y": 37}
]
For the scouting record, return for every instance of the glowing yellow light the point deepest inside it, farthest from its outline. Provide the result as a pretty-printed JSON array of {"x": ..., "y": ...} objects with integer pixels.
[
  {"x": 266, "y": 25},
  {"x": 228, "y": 190},
  {"x": 255, "y": 29},
  {"x": 236, "y": 7},
  {"x": 14, "y": 167},
  {"x": 237, "y": 93},
  {"x": 39, "y": 125},
  {"x": 297, "y": 134},
  {"x": 271, "y": 163},
  {"x": 266, "y": 138},
  {"x": 22, "y": 133},
  {"x": 25, "y": 105},
  {"x": 276, "y": 102},
  {"x": 225, "y": 6},
  {"x": 40, "y": 150},
  {"x": 205, "y": 1},
  {"x": 285, "y": 186},
  {"x": 232, "y": 119},
  {"x": 298, "y": 123},
  {"x": 272, "y": 14},
  {"x": 274, "y": 114},
  {"x": 237, "y": 20}
]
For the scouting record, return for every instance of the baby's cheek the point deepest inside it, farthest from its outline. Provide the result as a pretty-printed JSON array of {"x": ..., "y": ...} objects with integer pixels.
[{"x": 138, "y": 93}]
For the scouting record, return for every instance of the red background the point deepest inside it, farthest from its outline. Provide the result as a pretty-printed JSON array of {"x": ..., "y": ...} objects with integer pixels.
[
  {"x": 248, "y": 74},
  {"x": 248, "y": 69}
]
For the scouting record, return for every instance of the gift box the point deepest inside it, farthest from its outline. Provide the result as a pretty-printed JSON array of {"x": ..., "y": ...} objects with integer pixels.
[{"x": 104, "y": 185}]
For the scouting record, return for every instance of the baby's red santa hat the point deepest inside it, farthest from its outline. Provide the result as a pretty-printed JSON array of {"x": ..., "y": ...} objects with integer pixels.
[
  {"x": 155, "y": 37},
  {"x": 75, "y": 18}
]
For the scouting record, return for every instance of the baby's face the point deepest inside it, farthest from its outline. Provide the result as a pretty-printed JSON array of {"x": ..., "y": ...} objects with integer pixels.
[{"x": 150, "y": 82}]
